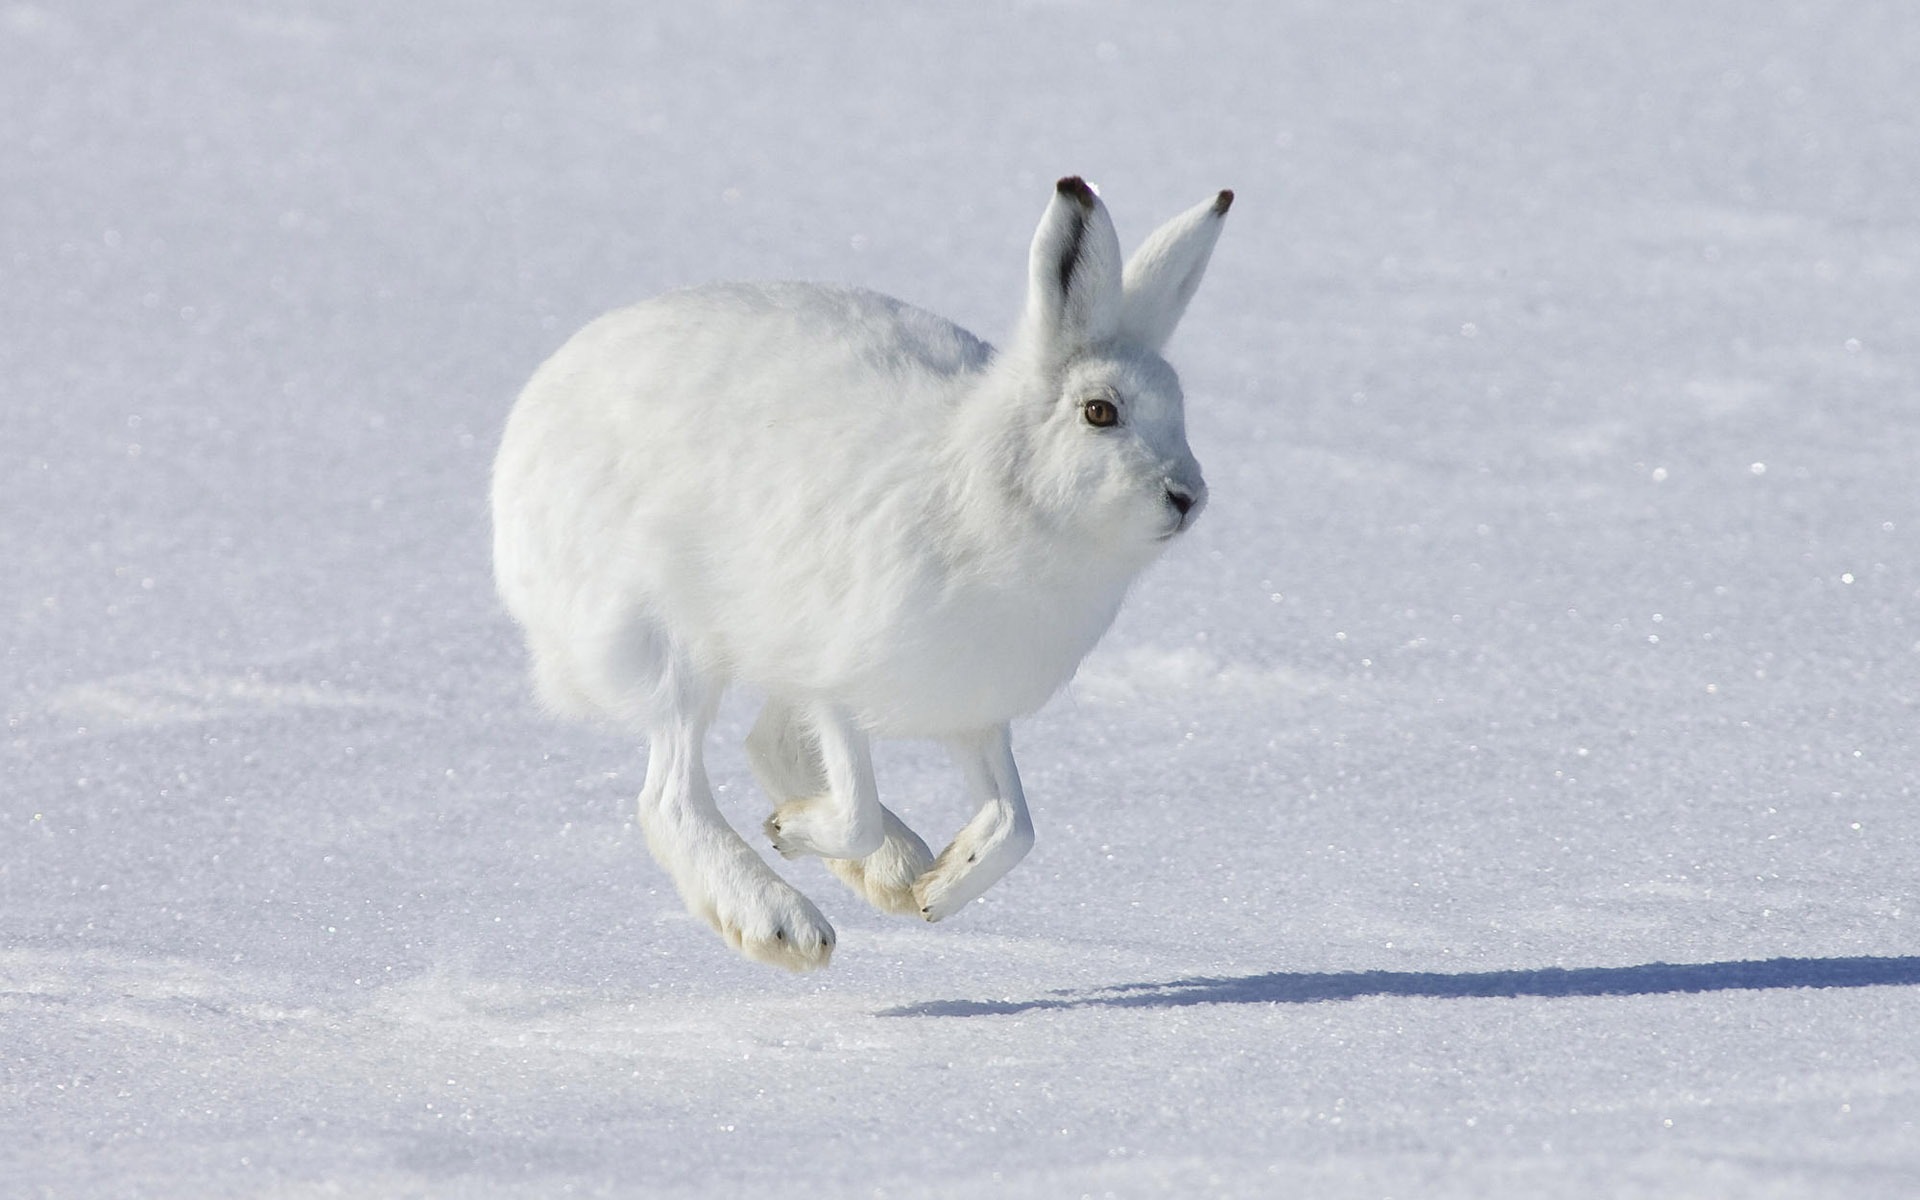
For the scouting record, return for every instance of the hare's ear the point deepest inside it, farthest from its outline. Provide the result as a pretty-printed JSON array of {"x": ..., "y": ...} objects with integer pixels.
[
  {"x": 1073, "y": 286},
  {"x": 1164, "y": 272}
]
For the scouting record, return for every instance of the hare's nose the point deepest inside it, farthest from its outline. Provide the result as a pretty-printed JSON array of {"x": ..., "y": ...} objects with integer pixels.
[{"x": 1180, "y": 500}]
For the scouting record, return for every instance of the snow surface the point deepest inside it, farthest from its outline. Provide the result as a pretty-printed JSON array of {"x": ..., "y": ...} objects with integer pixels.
[{"x": 1557, "y": 616}]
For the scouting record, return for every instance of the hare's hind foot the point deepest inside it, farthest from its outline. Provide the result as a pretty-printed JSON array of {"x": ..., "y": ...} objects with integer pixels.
[
  {"x": 796, "y": 940},
  {"x": 885, "y": 878},
  {"x": 719, "y": 877},
  {"x": 763, "y": 918}
]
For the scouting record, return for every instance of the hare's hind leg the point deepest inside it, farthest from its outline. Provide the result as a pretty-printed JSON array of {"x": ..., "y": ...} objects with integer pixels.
[
  {"x": 999, "y": 835},
  {"x": 719, "y": 876},
  {"x": 794, "y": 756}
]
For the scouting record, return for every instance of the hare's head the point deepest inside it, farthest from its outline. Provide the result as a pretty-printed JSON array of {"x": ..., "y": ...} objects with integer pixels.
[{"x": 1106, "y": 436}]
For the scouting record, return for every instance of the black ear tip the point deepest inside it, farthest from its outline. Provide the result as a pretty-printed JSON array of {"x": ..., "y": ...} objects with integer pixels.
[
  {"x": 1223, "y": 202},
  {"x": 1075, "y": 188}
]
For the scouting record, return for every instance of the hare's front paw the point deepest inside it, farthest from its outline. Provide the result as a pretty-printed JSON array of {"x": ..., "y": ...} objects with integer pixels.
[
  {"x": 768, "y": 922},
  {"x": 885, "y": 878},
  {"x": 975, "y": 862},
  {"x": 817, "y": 825}
]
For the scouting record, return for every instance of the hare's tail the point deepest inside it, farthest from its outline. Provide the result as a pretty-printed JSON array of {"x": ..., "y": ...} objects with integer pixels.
[
  {"x": 628, "y": 671},
  {"x": 556, "y": 682}
]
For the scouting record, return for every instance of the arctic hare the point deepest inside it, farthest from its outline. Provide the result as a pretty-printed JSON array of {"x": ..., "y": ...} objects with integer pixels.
[{"x": 863, "y": 512}]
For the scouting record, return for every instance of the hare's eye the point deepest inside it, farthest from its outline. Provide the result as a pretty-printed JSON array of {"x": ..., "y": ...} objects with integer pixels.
[{"x": 1100, "y": 412}]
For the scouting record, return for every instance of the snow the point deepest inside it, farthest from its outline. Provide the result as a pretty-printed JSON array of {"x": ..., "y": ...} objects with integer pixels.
[{"x": 1507, "y": 789}]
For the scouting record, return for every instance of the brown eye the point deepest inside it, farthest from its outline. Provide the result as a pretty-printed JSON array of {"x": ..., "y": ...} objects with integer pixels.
[{"x": 1100, "y": 413}]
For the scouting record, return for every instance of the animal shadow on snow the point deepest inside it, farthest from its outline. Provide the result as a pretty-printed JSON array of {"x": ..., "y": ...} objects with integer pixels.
[{"x": 1306, "y": 987}]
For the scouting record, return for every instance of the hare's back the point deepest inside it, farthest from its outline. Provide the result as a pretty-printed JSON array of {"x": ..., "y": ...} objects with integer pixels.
[
  {"x": 878, "y": 331},
  {"x": 741, "y": 385},
  {"x": 782, "y": 345}
]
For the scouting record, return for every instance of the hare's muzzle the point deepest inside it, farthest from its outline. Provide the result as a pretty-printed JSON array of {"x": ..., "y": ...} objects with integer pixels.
[{"x": 1186, "y": 502}]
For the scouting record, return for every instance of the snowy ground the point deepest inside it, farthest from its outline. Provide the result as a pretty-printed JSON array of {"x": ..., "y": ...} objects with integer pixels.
[{"x": 1557, "y": 616}]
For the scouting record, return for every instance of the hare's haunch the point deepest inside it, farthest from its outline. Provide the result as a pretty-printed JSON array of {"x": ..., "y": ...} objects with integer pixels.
[{"x": 863, "y": 512}]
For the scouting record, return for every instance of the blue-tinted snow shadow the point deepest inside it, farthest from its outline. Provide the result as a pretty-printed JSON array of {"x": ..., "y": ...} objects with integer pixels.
[{"x": 1291, "y": 987}]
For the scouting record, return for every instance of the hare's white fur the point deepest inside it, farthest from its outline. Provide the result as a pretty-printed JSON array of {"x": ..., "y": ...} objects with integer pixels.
[{"x": 865, "y": 513}]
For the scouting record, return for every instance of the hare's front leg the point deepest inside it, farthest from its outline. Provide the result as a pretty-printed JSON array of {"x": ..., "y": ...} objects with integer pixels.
[
  {"x": 719, "y": 876},
  {"x": 839, "y": 818},
  {"x": 787, "y": 752},
  {"x": 999, "y": 835}
]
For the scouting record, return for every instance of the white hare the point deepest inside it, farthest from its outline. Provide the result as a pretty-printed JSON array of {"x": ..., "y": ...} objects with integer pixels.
[{"x": 863, "y": 512}]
